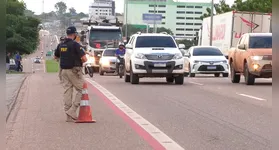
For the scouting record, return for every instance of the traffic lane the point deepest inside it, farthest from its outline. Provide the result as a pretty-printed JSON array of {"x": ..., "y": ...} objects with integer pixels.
[
  {"x": 193, "y": 117},
  {"x": 260, "y": 93},
  {"x": 43, "y": 126}
]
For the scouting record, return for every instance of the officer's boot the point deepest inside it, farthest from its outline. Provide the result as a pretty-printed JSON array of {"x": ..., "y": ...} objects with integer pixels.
[
  {"x": 72, "y": 112},
  {"x": 69, "y": 118}
]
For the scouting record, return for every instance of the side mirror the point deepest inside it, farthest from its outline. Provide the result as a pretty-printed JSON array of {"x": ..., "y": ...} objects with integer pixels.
[
  {"x": 241, "y": 46},
  {"x": 129, "y": 46},
  {"x": 181, "y": 46}
]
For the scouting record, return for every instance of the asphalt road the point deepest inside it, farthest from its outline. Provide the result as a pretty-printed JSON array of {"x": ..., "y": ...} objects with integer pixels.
[
  {"x": 204, "y": 113},
  {"x": 47, "y": 42}
]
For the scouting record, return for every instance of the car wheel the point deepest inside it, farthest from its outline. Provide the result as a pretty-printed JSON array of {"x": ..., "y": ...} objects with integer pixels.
[
  {"x": 179, "y": 79},
  {"x": 249, "y": 78},
  {"x": 126, "y": 77},
  {"x": 190, "y": 72},
  {"x": 235, "y": 78},
  {"x": 133, "y": 77},
  {"x": 225, "y": 75},
  {"x": 170, "y": 79},
  {"x": 217, "y": 74},
  {"x": 100, "y": 71}
]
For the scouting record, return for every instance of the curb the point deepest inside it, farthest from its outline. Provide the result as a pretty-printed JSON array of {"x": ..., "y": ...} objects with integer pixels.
[{"x": 15, "y": 98}]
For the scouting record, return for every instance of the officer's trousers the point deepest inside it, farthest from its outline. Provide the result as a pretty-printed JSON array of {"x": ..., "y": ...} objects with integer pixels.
[{"x": 72, "y": 78}]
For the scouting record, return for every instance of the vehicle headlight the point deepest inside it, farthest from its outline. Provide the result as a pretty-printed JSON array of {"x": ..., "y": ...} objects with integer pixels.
[
  {"x": 257, "y": 57},
  {"x": 140, "y": 56},
  {"x": 224, "y": 61},
  {"x": 177, "y": 56},
  {"x": 91, "y": 60},
  {"x": 105, "y": 62}
]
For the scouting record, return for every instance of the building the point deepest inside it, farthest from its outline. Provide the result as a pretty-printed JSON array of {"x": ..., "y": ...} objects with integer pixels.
[
  {"x": 183, "y": 18},
  {"x": 102, "y": 8}
]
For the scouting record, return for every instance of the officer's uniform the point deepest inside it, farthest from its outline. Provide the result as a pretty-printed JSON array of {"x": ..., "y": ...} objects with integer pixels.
[
  {"x": 60, "y": 70},
  {"x": 70, "y": 53}
]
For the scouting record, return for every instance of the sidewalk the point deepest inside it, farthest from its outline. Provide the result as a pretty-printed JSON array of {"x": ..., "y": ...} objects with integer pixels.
[
  {"x": 38, "y": 122},
  {"x": 13, "y": 84}
]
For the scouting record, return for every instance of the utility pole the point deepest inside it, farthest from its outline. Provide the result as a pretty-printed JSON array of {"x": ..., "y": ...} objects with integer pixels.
[
  {"x": 126, "y": 19},
  {"x": 154, "y": 24},
  {"x": 211, "y": 22}
]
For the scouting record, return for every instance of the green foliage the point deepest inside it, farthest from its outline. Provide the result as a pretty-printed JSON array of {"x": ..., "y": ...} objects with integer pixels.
[
  {"x": 263, "y": 6},
  {"x": 21, "y": 30},
  {"x": 52, "y": 66}
]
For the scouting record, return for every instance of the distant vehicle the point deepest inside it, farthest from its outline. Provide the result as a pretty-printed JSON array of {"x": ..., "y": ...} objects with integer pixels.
[
  {"x": 37, "y": 60},
  {"x": 154, "y": 55},
  {"x": 206, "y": 60},
  {"x": 108, "y": 61},
  {"x": 252, "y": 57},
  {"x": 229, "y": 27},
  {"x": 12, "y": 64}
]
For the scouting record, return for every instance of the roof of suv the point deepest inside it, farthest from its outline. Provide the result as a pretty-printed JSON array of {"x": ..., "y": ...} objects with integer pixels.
[
  {"x": 259, "y": 34},
  {"x": 152, "y": 34}
]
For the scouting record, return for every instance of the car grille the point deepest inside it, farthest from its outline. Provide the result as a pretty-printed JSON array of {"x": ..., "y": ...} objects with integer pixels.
[
  {"x": 204, "y": 68},
  {"x": 159, "y": 57}
]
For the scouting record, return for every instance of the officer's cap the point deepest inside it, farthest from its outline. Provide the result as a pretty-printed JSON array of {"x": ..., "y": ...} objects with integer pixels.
[{"x": 71, "y": 30}]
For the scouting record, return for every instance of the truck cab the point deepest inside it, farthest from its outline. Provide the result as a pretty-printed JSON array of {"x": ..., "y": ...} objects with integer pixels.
[{"x": 252, "y": 57}]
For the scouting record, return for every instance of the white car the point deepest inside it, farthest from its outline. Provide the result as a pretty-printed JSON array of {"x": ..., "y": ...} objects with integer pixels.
[
  {"x": 37, "y": 60},
  {"x": 206, "y": 60},
  {"x": 153, "y": 55},
  {"x": 108, "y": 61}
]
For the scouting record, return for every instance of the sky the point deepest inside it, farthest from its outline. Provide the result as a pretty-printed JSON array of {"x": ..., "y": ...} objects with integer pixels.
[{"x": 37, "y": 5}]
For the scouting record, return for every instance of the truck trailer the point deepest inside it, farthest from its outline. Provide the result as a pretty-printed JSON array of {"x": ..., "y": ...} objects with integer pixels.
[{"x": 230, "y": 26}]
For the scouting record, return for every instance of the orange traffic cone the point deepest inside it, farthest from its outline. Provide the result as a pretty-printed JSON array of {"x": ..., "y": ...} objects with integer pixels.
[{"x": 85, "y": 115}]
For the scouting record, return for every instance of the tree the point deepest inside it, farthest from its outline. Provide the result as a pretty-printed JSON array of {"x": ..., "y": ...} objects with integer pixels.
[
  {"x": 61, "y": 8},
  {"x": 264, "y": 6},
  {"x": 21, "y": 30},
  {"x": 72, "y": 11},
  {"x": 162, "y": 29}
]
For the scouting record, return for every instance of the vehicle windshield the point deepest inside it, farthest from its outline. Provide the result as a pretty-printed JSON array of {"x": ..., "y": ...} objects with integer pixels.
[
  {"x": 109, "y": 53},
  {"x": 260, "y": 42},
  {"x": 207, "y": 51},
  {"x": 105, "y": 38},
  {"x": 155, "y": 41}
]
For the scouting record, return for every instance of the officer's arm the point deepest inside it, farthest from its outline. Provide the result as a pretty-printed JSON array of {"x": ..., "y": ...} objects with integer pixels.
[
  {"x": 57, "y": 53},
  {"x": 81, "y": 53}
]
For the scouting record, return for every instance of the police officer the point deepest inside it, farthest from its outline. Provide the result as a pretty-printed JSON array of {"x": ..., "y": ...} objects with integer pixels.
[{"x": 71, "y": 57}]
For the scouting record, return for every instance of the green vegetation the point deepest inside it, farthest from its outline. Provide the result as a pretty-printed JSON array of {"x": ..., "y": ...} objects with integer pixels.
[
  {"x": 13, "y": 72},
  {"x": 264, "y": 6},
  {"x": 52, "y": 66},
  {"x": 21, "y": 30}
]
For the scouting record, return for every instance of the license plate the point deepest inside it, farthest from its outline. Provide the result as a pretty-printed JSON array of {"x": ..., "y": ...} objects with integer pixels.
[
  {"x": 211, "y": 67},
  {"x": 160, "y": 64}
]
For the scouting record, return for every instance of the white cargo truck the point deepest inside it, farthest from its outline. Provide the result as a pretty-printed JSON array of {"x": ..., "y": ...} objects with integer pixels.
[{"x": 228, "y": 28}]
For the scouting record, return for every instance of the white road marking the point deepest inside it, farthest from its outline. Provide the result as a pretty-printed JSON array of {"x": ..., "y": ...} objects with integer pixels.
[
  {"x": 195, "y": 83},
  {"x": 44, "y": 65},
  {"x": 157, "y": 134},
  {"x": 253, "y": 97}
]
